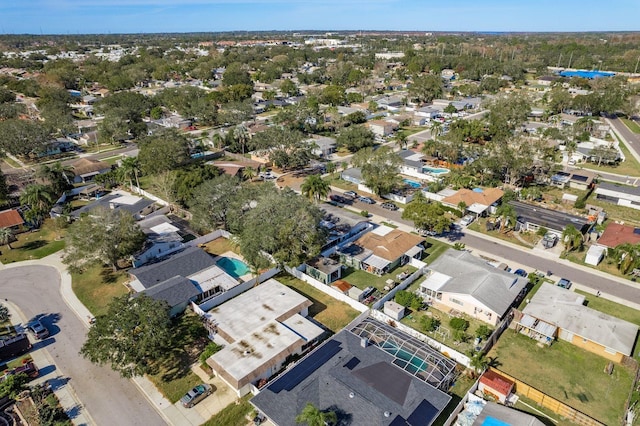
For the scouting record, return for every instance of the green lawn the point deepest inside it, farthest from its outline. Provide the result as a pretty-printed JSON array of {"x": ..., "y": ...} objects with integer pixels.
[
  {"x": 328, "y": 311},
  {"x": 221, "y": 245},
  {"x": 12, "y": 163},
  {"x": 34, "y": 245},
  {"x": 362, "y": 279},
  {"x": 567, "y": 373},
  {"x": 632, "y": 125},
  {"x": 628, "y": 167},
  {"x": 434, "y": 249},
  {"x": 234, "y": 414},
  {"x": 174, "y": 376},
  {"x": 607, "y": 265},
  {"x": 96, "y": 286},
  {"x": 480, "y": 226}
]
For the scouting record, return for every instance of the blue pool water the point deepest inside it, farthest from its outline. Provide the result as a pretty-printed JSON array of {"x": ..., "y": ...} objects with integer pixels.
[
  {"x": 406, "y": 360},
  {"x": 490, "y": 421},
  {"x": 434, "y": 170},
  {"x": 412, "y": 183},
  {"x": 234, "y": 267}
]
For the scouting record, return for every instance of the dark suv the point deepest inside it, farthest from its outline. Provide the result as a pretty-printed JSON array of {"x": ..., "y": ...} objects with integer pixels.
[{"x": 389, "y": 206}]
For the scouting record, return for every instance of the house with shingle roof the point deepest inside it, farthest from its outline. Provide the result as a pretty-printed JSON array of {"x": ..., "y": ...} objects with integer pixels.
[
  {"x": 86, "y": 169},
  {"x": 11, "y": 219},
  {"x": 619, "y": 233},
  {"x": 477, "y": 200}
]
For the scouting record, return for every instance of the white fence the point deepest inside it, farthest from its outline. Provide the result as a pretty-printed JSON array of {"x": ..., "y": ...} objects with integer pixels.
[
  {"x": 218, "y": 233},
  {"x": 402, "y": 286},
  {"x": 444, "y": 349},
  {"x": 326, "y": 289},
  {"x": 144, "y": 193}
]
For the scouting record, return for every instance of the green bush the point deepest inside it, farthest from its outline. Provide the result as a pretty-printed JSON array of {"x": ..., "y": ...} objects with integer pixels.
[
  {"x": 460, "y": 336},
  {"x": 453, "y": 211},
  {"x": 429, "y": 323},
  {"x": 211, "y": 349},
  {"x": 364, "y": 213},
  {"x": 408, "y": 300},
  {"x": 459, "y": 324},
  {"x": 542, "y": 231},
  {"x": 483, "y": 331}
]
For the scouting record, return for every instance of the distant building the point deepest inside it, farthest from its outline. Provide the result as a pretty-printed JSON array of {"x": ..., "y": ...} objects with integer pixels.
[{"x": 622, "y": 195}]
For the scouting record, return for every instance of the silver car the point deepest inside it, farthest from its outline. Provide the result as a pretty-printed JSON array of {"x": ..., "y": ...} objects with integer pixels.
[{"x": 195, "y": 395}]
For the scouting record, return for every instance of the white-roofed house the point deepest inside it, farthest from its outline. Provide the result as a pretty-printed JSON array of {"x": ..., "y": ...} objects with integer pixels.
[
  {"x": 555, "y": 312},
  {"x": 459, "y": 281}
]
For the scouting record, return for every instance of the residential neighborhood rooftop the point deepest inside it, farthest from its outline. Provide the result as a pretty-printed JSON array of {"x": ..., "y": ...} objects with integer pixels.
[
  {"x": 550, "y": 219},
  {"x": 618, "y": 233},
  {"x": 10, "y": 218}
]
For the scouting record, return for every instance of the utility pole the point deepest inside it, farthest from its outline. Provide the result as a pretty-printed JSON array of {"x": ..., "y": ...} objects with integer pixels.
[
  {"x": 570, "y": 58},
  {"x": 559, "y": 59}
]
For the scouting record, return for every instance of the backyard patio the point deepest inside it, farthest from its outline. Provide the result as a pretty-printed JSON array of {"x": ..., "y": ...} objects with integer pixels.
[{"x": 362, "y": 279}]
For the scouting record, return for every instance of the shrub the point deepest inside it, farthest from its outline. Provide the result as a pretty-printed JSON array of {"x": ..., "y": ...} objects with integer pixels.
[
  {"x": 408, "y": 299},
  {"x": 429, "y": 323},
  {"x": 460, "y": 336},
  {"x": 542, "y": 231},
  {"x": 459, "y": 324},
  {"x": 364, "y": 213},
  {"x": 483, "y": 331},
  {"x": 211, "y": 349}
]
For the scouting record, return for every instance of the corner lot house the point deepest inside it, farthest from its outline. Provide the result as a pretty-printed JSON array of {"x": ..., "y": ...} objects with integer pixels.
[
  {"x": 460, "y": 282},
  {"x": 357, "y": 375},
  {"x": 628, "y": 196},
  {"x": 260, "y": 330},
  {"x": 382, "y": 250},
  {"x": 555, "y": 312}
]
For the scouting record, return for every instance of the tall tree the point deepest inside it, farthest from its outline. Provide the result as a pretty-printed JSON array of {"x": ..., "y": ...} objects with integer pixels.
[
  {"x": 104, "y": 236},
  {"x": 40, "y": 198},
  {"x": 425, "y": 215},
  {"x": 315, "y": 188},
  {"x": 507, "y": 215},
  {"x": 426, "y": 88},
  {"x": 312, "y": 416},
  {"x": 57, "y": 176},
  {"x": 572, "y": 238},
  {"x": 379, "y": 169},
  {"x": 354, "y": 138},
  {"x": 6, "y": 236},
  {"x": 164, "y": 150},
  {"x": 133, "y": 335},
  {"x": 129, "y": 170}
]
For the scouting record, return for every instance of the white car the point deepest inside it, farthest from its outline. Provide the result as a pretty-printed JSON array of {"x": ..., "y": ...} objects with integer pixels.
[{"x": 466, "y": 221}]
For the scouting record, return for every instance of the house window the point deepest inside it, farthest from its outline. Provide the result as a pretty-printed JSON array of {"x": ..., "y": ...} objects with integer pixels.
[{"x": 456, "y": 301}]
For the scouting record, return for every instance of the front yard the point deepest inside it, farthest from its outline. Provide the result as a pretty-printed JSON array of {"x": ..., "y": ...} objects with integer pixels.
[
  {"x": 567, "y": 373},
  {"x": 34, "y": 245},
  {"x": 97, "y": 286},
  {"x": 328, "y": 311}
]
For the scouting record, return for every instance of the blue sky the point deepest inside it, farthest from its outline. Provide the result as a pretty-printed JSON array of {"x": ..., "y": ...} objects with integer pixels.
[{"x": 132, "y": 16}]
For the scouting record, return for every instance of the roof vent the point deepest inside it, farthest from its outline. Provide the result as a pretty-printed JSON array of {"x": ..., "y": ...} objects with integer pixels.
[
  {"x": 352, "y": 395},
  {"x": 364, "y": 342},
  {"x": 247, "y": 352},
  {"x": 387, "y": 414}
]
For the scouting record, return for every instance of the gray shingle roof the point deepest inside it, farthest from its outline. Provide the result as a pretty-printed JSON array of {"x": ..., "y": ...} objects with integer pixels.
[
  {"x": 104, "y": 202},
  {"x": 358, "y": 383},
  {"x": 623, "y": 189},
  {"x": 494, "y": 288},
  {"x": 184, "y": 263},
  {"x": 551, "y": 219},
  {"x": 174, "y": 291}
]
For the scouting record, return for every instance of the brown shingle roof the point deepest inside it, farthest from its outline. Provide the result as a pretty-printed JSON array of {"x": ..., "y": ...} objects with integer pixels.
[
  {"x": 390, "y": 246},
  {"x": 86, "y": 165},
  {"x": 486, "y": 197},
  {"x": 341, "y": 286},
  {"x": 9, "y": 218},
  {"x": 616, "y": 234}
]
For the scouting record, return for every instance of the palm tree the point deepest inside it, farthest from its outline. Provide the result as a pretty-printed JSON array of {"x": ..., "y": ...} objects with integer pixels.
[
  {"x": 572, "y": 238},
  {"x": 217, "y": 140},
  {"x": 40, "y": 198},
  {"x": 478, "y": 362},
  {"x": 436, "y": 129},
  {"x": 312, "y": 416},
  {"x": 401, "y": 140},
  {"x": 6, "y": 236},
  {"x": 507, "y": 215},
  {"x": 129, "y": 169},
  {"x": 241, "y": 134},
  {"x": 249, "y": 173},
  {"x": 315, "y": 188}
]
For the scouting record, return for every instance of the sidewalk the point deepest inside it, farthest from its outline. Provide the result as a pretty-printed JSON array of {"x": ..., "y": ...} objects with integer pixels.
[
  {"x": 51, "y": 373},
  {"x": 169, "y": 412}
]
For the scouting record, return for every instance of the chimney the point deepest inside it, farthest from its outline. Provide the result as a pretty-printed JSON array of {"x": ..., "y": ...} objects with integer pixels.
[{"x": 364, "y": 342}]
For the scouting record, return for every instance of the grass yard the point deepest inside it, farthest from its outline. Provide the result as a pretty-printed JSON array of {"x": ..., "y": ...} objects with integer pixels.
[
  {"x": 362, "y": 279},
  {"x": 607, "y": 265},
  {"x": 11, "y": 162},
  {"x": 34, "y": 245},
  {"x": 96, "y": 286},
  {"x": 234, "y": 414},
  {"x": 433, "y": 249},
  {"x": 567, "y": 373},
  {"x": 174, "y": 376},
  {"x": 330, "y": 312},
  {"x": 480, "y": 226},
  {"x": 221, "y": 245},
  {"x": 629, "y": 166},
  {"x": 632, "y": 125}
]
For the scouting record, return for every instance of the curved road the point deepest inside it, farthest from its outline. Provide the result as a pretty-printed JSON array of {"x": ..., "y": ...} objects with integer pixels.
[{"x": 109, "y": 399}]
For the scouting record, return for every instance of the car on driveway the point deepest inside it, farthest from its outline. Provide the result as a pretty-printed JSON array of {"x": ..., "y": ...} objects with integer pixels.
[
  {"x": 389, "y": 206},
  {"x": 466, "y": 221},
  {"x": 564, "y": 283},
  {"x": 351, "y": 194},
  {"x": 366, "y": 200},
  {"x": 38, "y": 330},
  {"x": 195, "y": 395},
  {"x": 521, "y": 272}
]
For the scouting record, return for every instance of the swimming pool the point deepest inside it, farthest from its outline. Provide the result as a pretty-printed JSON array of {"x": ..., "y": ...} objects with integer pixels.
[
  {"x": 434, "y": 170},
  {"x": 412, "y": 183},
  {"x": 234, "y": 267}
]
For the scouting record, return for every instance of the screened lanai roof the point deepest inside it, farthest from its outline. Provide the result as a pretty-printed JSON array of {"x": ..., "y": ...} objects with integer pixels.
[{"x": 410, "y": 354}]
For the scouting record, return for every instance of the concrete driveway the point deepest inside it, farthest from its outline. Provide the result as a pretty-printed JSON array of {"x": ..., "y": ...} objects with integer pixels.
[{"x": 109, "y": 399}]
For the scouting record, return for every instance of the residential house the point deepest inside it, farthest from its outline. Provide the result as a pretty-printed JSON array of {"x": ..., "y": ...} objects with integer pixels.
[
  {"x": 323, "y": 147},
  {"x": 342, "y": 226},
  {"x": 477, "y": 201},
  {"x": 119, "y": 200},
  {"x": 578, "y": 179},
  {"x": 177, "y": 291},
  {"x": 323, "y": 269},
  {"x": 459, "y": 282},
  {"x": 235, "y": 168},
  {"x": 359, "y": 374},
  {"x": 353, "y": 175},
  {"x": 555, "y": 312},
  {"x": 622, "y": 195},
  {"x": 428, "y": 112},
  {"x": 261, "y": 330},
  {"x": 532, "y": 217},
  {"x": 13, "y": 220},
  {"x": 390, "y": 103},
  {"x": 382, "y": 250},
  {"x": 546, "y": 80},
  {"x": 381, "y": 127},
  {"x": 619, "y": 233},
  {"x": 85, "y": 169},
  {"x": 162, "y": 239},
  {"x": 421, "y": 166}
]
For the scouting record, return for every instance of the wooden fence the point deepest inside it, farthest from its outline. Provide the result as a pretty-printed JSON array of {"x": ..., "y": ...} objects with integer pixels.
[{"x": 549, "y": 402}]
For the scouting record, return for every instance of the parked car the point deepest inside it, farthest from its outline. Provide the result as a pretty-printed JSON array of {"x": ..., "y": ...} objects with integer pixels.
[
  {"x": 195, "y": 395},
  {"x": 351, "y": 194},
  {"x": 564, "y": 283},
  {"x": 521, "y": 272},
  {"x": 338, "y": 199},
  {"x": 466, "y": 221},
  {"x": 366, "y": 200},
  {"x": 389, "y": 206},
  {"x": 38, "y": 330}
]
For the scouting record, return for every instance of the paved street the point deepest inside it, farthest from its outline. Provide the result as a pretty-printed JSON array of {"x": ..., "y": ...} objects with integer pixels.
[
  {"x": 632, "y": 139},
  {"x": 109, "y": 399}
]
